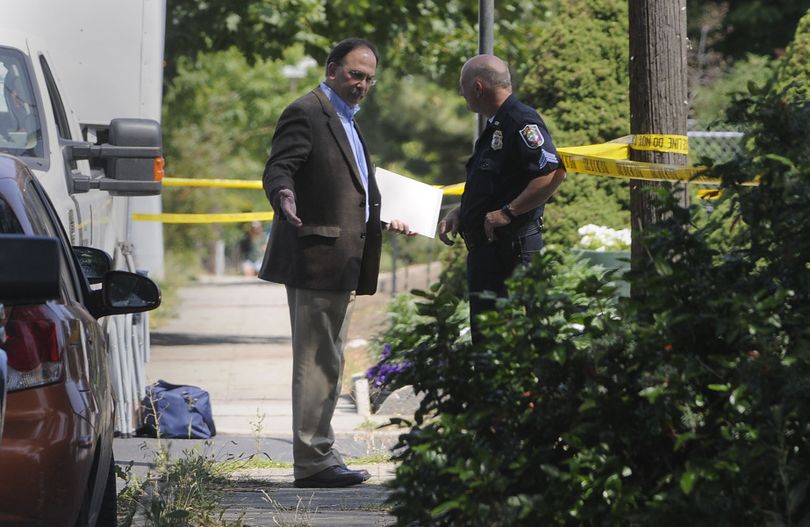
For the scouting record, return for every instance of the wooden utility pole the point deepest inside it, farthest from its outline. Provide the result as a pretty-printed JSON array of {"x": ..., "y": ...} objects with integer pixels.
[{"x": 658, "y": 97}]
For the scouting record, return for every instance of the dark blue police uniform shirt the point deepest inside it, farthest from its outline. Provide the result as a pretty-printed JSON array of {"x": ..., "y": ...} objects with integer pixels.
[{"x": 513, "y": 149}]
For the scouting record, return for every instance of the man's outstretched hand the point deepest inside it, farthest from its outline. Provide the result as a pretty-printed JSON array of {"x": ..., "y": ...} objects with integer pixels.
[{"x": 287, "y": 201}]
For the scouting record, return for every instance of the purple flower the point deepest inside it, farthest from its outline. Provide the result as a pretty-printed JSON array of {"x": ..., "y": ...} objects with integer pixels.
[{"x": 384, "y": 371}]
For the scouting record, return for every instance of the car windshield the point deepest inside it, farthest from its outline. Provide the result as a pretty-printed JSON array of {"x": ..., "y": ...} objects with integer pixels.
[{"x": 20, "y": 125}]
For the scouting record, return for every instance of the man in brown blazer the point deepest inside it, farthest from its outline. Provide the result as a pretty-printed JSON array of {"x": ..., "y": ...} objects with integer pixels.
[{"x": 324, "y": 247}]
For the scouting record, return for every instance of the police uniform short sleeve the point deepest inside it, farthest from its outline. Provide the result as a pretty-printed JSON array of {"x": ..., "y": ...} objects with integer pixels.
[{"x": 537, "y": 151}]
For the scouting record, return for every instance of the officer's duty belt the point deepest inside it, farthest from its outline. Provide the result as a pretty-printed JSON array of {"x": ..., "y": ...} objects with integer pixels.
[{"x": 476, "y": 237}]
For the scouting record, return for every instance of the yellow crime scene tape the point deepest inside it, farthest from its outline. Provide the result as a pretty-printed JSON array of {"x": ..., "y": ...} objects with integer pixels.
[
  {"x": 676, "y": 144},
  {"x": 255, "y": 184},
  {"x": 609, "y": 159},
  {"x": 235, "y": 217}
]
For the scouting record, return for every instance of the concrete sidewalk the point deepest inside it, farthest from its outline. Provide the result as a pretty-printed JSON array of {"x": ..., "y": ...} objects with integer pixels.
[{"x": 232, "y": 338}]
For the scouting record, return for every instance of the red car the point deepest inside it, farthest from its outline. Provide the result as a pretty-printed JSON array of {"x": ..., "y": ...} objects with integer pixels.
[{"x": 56, "y": 452}]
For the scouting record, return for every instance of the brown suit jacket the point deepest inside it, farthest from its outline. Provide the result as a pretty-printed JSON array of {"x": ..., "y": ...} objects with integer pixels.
[{"x": 335, "y": 249}]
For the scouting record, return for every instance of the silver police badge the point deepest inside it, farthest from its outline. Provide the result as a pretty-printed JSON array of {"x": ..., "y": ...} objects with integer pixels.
[{"x": 497, "y": 140}]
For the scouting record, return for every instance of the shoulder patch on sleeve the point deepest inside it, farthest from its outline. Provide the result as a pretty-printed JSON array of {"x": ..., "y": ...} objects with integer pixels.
[{"x": 531, "y": 136}]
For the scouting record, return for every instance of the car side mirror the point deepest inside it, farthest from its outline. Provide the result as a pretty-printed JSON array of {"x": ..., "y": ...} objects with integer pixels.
[
  {"x": 124, "y": 292},
  {"x": 94, "y": 263}
]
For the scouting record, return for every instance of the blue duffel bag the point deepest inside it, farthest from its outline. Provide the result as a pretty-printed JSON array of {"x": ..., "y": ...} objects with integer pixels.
[{"x": 177, "y": 411}]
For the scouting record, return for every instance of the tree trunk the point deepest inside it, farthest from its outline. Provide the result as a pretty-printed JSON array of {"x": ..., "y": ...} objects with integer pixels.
[{"x": 658, "y": 98}]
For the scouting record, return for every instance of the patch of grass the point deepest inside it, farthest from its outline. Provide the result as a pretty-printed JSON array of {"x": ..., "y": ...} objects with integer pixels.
[
  {"x": 252, "y": 462},
  {"x": 370, "y": 459}
]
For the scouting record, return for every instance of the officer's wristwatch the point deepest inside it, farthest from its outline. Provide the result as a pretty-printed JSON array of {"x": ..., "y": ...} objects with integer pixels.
[{"x": 509, "y": 214}]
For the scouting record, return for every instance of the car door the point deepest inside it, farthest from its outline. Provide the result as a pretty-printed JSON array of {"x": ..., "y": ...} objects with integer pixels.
[{"x": 86, "y": 365}]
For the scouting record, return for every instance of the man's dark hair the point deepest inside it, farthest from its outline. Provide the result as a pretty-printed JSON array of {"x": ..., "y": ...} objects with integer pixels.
[{"x": 344, "y": 47}]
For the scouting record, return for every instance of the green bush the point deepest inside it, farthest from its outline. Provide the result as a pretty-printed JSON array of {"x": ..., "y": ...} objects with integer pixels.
[
  {"x": 578, "y": 80},
  {"x": 411, "y": 318},
  {"x": 687, "y": 403}
]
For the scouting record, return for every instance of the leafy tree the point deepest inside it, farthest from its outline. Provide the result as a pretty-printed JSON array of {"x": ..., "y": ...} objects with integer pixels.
[
  {"x": 709, "y": 103},
  {"x": 794, "y": 69},
  {"x": 219, "y": 114},
  {"x": 579, "y": 81},
  {"x": 415, "y": 36},
  {"x": 258, "y": 28},
  {"x": 579, "y": 77},
  {"x": 761, "y": 27},
  {"x": 416, "y": 127}
]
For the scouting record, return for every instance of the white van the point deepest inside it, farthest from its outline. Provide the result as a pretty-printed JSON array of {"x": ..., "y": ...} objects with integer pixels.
[{"x": 81, "y": 99}]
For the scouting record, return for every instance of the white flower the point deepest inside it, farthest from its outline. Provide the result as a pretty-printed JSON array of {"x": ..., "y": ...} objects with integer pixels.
[{"x": 600, "y": 238}]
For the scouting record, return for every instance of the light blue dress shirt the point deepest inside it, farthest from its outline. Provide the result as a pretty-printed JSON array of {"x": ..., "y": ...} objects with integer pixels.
[{"x": 346, "y": 114}]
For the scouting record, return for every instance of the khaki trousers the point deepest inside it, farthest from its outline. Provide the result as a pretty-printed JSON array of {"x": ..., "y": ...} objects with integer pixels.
[{"x": 320, "y": 323}]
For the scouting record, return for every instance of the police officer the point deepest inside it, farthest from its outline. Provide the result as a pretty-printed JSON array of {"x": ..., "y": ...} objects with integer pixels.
[{"x": 513, "y": 171}]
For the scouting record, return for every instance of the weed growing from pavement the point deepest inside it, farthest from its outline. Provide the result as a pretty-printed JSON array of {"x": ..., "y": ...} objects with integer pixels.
[
  {"x": 378, "y": 445},
  {"x": 257, "y": 460},
  {"x": 179, "y": 492},
  {"x": 368, "y": 425},
  {"x": 284, "y": 517},
  {"x": 257, "y": 426}
]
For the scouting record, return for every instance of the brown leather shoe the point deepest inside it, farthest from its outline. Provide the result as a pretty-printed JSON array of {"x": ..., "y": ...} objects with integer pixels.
[{"x": 333, "y": 477}]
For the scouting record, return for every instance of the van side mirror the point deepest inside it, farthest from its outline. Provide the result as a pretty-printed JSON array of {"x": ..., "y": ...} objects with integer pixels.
[
  {"x": 134, "y": 133},
  {"x": 133, "y": 159}
]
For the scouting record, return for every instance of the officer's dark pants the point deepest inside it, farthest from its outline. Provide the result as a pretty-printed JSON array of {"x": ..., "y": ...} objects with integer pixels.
[{"x": 489, "y": 265}]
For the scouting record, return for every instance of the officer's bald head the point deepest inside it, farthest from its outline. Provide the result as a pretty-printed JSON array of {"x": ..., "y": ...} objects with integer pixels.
[
  {"x": 491, "y": 70},
  {"x": 485, "y": 84}
]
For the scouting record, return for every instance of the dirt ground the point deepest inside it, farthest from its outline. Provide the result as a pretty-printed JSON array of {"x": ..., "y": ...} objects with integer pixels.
[{"x": 370, "y": 315}]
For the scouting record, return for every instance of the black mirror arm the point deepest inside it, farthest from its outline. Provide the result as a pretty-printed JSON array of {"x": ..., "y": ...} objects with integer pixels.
[{"x": 82, "y": 150}]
